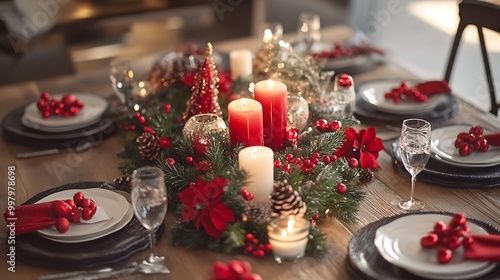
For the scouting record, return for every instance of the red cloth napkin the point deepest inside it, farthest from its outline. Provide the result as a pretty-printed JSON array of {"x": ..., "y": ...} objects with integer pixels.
[
  {"x": 484, "y": 248},
  {"x": 493, "y": 139},
  {"x": 31, "y": 217},
  {"x": 433, "y": 87},
  {"x": 419, "y": 93}
]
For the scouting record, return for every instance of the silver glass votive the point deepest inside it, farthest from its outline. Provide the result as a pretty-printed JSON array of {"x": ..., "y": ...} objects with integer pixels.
[{"x": 288, "y": 236}]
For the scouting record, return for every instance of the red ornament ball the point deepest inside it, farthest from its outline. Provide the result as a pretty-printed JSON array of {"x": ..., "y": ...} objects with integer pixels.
[
  {"x": 165, "y": 143},
  {"x": 62, "y": 225},
  {"x": 353, "y": 163},
  {"x": 189, "y": 159},
  {"x": 444, "y": 255},
  {"x": 321, "y": 125},
  {"x": 335, "y": 125},
  {"x": 341, "y": 188}
]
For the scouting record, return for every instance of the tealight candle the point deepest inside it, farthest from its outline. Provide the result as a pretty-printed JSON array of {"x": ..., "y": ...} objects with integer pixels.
[
  {"x": 288, "y": 236},
  {"x": 240, "y": 62},
  {"x": 273, "y": 97},
  {"x": 245, "y": 122},
  {"x": 257, "y": 161}
]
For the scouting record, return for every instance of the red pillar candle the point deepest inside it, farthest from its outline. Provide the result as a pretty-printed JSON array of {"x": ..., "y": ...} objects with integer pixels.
[
  {"x": 272, "y": 95},
  {"x": 245, "y": 122}
]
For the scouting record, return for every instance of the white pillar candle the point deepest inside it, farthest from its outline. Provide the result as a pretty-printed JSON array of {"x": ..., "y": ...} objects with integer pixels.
[
  {"x": 240, "y": 62},
  {"x": 288, "y": 236},
  {"x": 257, "y": 161}
]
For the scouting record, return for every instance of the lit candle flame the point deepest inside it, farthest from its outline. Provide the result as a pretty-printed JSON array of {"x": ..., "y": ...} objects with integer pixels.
[
  {"x": 270, "y": 84},
  {"x": 243, "y": 102},
  {"x": 291, "y": 224},
  {"x": 268, "y": 35}
]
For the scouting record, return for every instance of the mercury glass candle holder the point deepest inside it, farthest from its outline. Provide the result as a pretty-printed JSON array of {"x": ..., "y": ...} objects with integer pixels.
[
  {"x": 205, "y": 126},
  {"x": 288, "y": 236}
]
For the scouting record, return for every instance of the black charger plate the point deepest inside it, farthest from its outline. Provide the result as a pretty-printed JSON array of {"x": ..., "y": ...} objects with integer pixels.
[{"x": 14, "y": 131}]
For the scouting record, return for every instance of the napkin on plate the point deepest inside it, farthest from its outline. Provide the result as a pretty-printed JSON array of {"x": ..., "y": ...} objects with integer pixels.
[
  {"x": 433, "y": 87},
  {"x": 493, "y": 139},
  {"x": 484, "y": 248},
  {"x": 33, "y": 217}
]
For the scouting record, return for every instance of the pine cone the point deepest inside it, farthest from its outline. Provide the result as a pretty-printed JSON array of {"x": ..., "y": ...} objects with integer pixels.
[
  {"x": 149, "y": 146},
  {"x": 286, "y": 201},
  {"x": 366, "y": 175},
  {"x": 124, "y": 180},
  {"x": 257, "y": 213}
]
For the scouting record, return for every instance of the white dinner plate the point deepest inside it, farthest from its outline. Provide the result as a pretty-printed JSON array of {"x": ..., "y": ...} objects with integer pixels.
[
  {"x": 57, "y": 129},
  {"x": 115, "y": 205},
  {"x": 373, "y": 93},
  {"x": 123, "y": 222},
  {"x": 470, "y": 275},
  {"x": 443, "y": 146},
  {"x": 399, "y": 243},
  {"x": 93, "y": 107}
]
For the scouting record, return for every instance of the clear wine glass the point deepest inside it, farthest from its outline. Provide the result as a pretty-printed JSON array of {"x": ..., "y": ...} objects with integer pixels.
[
  {"x": 415, "y": 143},
  {"x": 149, "y": 199},
  {"x": 309, "y": 30},
  {"x": 121, "y": 76}
]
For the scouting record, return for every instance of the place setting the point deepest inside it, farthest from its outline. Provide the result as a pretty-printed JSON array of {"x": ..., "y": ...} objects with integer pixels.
[
  {"x": 354, "y": 56},
  {"x": 63, "y": 120},
  {"x": 391, "y": 101},
  {"x": 94, "y": 219},
  {"x": 415, "y": 245},
  {"x": 461, "y": 156}
]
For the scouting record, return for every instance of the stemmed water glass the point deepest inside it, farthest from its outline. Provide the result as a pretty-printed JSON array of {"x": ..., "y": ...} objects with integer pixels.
[
  {"x": 415, "y": 144},
  {"x": 121, "y": 76},
  {"x": 309, "y": 30},
  {"x": 149, "y": 199}
]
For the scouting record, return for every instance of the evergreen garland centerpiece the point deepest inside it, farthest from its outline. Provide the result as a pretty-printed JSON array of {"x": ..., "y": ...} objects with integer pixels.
[{"x": 207, "y": 189}]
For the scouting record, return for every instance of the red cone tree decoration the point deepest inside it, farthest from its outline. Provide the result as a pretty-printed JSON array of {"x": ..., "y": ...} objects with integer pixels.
[{"x": 204, "y": 99}]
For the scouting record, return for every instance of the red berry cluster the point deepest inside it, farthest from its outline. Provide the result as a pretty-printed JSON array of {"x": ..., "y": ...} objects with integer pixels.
[
  {"x": 306, "y": 164},
  {"x": 254, "y": 247},
  {"x": 315, "y": 219},
  {"x": 233, "y": 270},
  {"x": 68, "y": 106},
  {"x": 448, "y": 237},
  {"x": 202, "y": 166},
  {"x": 405, "y": 91},
  {"x": 323, "y": 125},
  {"x": 165, "y": 143},
  {"x": 72, "y": 210},
  {"x": 472, "y": 141},
  {"x": 167, "y": 108},
  {"x": 346, "y": 51},
  {"x": 248, "y": 196}
]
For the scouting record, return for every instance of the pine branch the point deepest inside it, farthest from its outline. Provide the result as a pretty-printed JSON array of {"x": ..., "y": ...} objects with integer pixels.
[{"x": 316, "y": 245}]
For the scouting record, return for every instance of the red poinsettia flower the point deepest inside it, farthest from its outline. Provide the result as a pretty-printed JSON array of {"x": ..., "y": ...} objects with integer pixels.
[
  {"x": 363, "y": 146},
  {"x": 203, "y": 206}
]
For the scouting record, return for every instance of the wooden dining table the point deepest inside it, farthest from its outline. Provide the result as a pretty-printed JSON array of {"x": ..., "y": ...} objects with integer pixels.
[{"x": 99, "y": 163}]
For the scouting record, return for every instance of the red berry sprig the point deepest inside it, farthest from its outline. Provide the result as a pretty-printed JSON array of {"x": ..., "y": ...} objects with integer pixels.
[
  {"x": 323, "y": 125},
  {"x": 307, "y": 165},
  {"x": 405, "y": 92},
  {"x": 254, "y": 247},
  {"x": 248, "y": 196},
  {"x": 233, "y": 270},
  {"x": 68, "y": 106},
  {"x": 448, "y": 237},
  {"x": 472, "y": 141}
]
